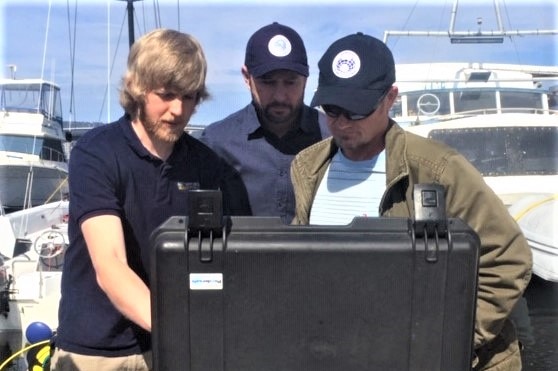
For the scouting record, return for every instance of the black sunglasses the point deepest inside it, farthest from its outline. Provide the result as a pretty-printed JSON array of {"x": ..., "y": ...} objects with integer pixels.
[{"x": 336, "y": 111}]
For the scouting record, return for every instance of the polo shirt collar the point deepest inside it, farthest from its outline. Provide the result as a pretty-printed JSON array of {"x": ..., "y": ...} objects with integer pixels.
[{"x": 132, "y": 138}]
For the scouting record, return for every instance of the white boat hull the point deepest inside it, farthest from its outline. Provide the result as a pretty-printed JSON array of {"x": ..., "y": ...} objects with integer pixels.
[
  {"x": 34, "y": 293},
  {"x": 527, "y": 186},
  {"x": 537, "y": 215},
  {"x": 44, "y": 182}
]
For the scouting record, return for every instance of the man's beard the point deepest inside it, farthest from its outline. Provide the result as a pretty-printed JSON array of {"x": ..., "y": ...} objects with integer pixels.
[
  {"x": 266, "y": 114},
  {"x": 157, "y": 130}
]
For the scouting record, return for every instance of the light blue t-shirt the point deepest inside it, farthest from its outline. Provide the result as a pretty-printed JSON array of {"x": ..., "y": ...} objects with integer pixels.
[{"x": 348, "y": 189}]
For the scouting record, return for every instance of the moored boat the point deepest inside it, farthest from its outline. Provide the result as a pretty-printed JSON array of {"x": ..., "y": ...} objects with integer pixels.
[
  {"x": 31, "y": 258},
  {"x": 33, "y": 166},
  {"x": 503, "y": 117}
]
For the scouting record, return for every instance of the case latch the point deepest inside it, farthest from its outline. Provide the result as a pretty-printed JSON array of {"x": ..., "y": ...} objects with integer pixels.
[
  {"x": 430, "y": 219},
  {"x": 205, "y": 219}
]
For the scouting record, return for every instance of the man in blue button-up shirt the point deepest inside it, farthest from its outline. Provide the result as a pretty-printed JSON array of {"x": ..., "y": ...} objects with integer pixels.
[{"x": 261, "y": 139}]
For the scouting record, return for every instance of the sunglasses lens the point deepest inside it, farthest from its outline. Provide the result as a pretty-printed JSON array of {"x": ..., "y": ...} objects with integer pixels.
[
  {"x": 354, "y": 116},
  {"x": 332, "y": 111},
  {"x": 336, "y": 111}
]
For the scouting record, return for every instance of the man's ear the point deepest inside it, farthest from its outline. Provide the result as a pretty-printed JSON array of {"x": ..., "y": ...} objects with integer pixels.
[
  {"x": 245, "y": 75},
  {"x": 392, "y": 95}
]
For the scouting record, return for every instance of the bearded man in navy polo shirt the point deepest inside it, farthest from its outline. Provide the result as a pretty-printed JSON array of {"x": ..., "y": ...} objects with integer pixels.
[{"x": 127, "y": 178}]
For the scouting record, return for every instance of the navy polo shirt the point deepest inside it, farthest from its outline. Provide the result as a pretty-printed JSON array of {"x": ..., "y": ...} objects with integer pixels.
[
  {"x": 262, "y": 159},
  {"x": 112, "y": 173}
]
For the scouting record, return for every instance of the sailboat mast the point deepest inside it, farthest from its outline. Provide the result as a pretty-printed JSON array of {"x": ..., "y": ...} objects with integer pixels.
[{"x": 130, "y": 9}]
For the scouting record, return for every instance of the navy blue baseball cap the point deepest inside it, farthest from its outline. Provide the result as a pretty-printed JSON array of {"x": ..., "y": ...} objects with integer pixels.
[
  {"x": 355, "y": 72},
  {"x": 275, "y": 47}
]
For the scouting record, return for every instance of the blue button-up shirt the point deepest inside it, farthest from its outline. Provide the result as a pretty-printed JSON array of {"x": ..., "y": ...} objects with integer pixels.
[{"x": 262, "y": 159}]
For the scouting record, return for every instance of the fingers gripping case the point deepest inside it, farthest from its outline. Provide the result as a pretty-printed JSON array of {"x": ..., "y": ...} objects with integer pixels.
[{"x": 253, "y": 294}]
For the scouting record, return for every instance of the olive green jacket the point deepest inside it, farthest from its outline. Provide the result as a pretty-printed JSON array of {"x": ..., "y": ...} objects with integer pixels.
[{"x": 505, "y": 258}]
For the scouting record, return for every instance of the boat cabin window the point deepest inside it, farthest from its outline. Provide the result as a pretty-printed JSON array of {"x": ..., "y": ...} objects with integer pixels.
[
  {"x": 45, "y": 148},
  {"x": 505, "y": 151},
  {"x": 52, "y": 150},
  {"x": 521, "y": 101},
  {"x": 428, "y": 103},
  {"x": 475, "y": 100}
]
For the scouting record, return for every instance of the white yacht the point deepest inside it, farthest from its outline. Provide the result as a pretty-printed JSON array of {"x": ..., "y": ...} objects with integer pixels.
[
  {"x": 33, "y": 165},
  {"x": 502, "y": 117},
  {"x": 504, "y": 120}
]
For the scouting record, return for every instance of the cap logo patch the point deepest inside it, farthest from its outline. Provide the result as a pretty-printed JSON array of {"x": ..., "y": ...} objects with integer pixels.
[
  {"x": 346, "y": 64},
  {"x": 279, "y": 46}
]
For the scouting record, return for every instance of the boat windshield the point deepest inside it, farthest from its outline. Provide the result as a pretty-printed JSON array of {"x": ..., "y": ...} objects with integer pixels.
[
  {"x": 468, "y": 101},
  {"x": 45, "y": 148},
  {"x": 505, "y": 151},
  {"x": 32, "y": 97}
]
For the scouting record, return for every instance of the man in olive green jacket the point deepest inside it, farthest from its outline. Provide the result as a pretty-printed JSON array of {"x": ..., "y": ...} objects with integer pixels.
[{"x": 357, "y": 73}]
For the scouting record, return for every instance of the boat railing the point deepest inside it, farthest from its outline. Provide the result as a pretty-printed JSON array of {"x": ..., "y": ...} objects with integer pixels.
[
  {"x": 50, "y": 154},
  {"x": 476, "y": 112},
  {"x": 490, "y": 111}
]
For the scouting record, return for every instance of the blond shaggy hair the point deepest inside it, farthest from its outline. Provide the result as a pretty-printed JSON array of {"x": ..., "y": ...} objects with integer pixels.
[{"x": 163, "y": 58}]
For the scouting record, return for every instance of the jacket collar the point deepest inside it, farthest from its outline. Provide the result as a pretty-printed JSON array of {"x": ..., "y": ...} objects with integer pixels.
[{"x": 397, "y": 165}]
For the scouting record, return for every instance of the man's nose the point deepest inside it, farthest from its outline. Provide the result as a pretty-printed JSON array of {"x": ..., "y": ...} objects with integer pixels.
[{"x": 177, "y": 106}]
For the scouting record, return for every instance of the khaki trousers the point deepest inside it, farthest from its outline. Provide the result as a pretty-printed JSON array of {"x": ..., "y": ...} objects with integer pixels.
[{"x": 67, "y": 361}]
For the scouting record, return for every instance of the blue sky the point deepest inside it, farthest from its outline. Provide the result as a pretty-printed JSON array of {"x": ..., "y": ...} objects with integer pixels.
[{"x": 40, "y": 41}]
